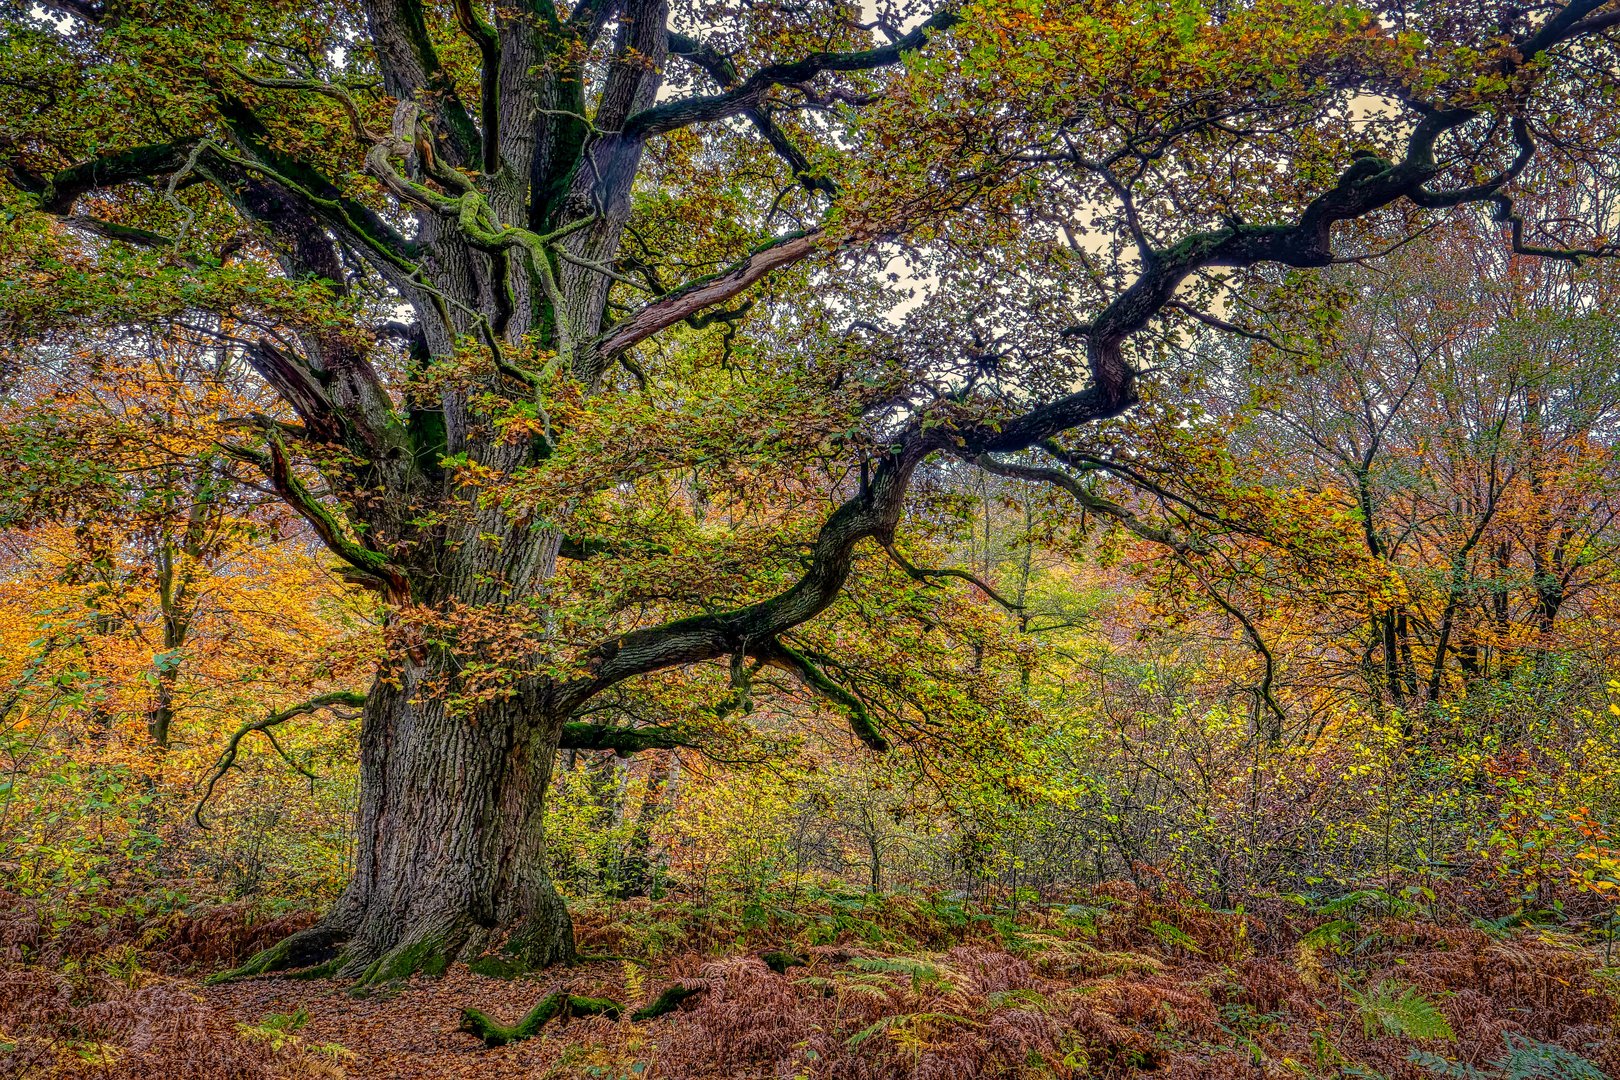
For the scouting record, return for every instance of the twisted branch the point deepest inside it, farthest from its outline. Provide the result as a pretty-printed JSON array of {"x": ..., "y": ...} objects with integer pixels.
[{"x": 233, "y": 745}]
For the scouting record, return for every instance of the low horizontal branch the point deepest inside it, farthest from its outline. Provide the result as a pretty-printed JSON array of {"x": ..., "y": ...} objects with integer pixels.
[
  {"x": 621, "y": 740},
  {"x": 264, "y": 724}
]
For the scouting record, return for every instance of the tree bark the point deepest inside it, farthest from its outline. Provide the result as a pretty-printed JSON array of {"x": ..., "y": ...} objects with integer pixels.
[
  {"x": 452, "y": 845},
  {"x": 451, "y": 849}
]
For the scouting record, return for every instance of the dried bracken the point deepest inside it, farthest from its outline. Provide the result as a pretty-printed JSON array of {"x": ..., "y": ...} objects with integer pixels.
[{"x": 1040, "y": 1005}]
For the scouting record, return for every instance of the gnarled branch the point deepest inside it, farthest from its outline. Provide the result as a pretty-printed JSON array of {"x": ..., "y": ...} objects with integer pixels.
[
  {"x": 918, "y": 573},
  {"x": 264, "y": 724},
  {"x": 860, "y": 720},
  {"x": 749, "y": 92},
  {"x": 696, "y": 296}
]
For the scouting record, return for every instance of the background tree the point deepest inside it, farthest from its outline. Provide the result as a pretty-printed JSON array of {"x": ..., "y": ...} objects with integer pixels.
[{"x": 1465, "y": 410}]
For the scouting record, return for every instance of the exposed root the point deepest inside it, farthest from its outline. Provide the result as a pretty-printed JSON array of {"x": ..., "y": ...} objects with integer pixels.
[
  {"x": 667, "y": 1002},
  {"x": 622, "y": 958},
  {"x": 327, "y": 970},
  {"x": 317, "y": 945},
  {"x": 430, "y": 953},
  {"x": 562, "y": 1005},
  {"x": 553, "y": 1006},
  {"x": 547, "y": 942},
  {"x": 333, "y": 949},
  {"x": 496, "y": 966}
]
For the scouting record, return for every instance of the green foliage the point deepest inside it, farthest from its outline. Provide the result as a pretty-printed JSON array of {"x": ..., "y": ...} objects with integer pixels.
[
  {"x": 1330, "y": 934},
  {"x": 1396, "y": 1008},
  {"x": 1172, "y": 935},
  {"x": 902, "y": 1025},
  {"x": 1524, "y": 1059},
  {"x": 276, "y": 1029},
  {"x": 923, "y": 975}
]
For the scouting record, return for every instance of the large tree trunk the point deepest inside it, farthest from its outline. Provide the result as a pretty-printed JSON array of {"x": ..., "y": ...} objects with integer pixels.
[
  {"x": 452, "y": 855},
  {"x": 454, "y": 774},
  {"x": 452, "y": 848}
]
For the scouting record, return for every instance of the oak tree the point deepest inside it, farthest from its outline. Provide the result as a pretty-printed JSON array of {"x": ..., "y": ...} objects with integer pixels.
[{"x": 575, "y": 313}]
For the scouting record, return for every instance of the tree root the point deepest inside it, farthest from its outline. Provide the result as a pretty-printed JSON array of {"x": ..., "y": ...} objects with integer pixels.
[
  {"x": 563, "y": 1006},
  {"x": 337, "y": 950},
  {"x": 333, "y": 951},
  {"x": 430, "y": 955},
  {"x": 317, "y": 945},
  {"x": 667, "y": 1002},
  {"x": 553, "y": 1006}
]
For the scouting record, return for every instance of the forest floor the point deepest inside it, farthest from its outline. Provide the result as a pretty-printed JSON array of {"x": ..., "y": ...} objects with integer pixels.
[{"x": 1119, "y": 983}]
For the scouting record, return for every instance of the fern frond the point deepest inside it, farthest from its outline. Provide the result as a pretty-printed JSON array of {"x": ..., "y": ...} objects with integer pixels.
[
  {"x": 1530, "y": 1060},
  {"x": 1330, "y": 934},
  {"x": 1395, "y": 1008},
  {"x": 1443, "y": 1066},
  {"x": 899, "y": 1021},
  {"x": 876, "y": 1027},
  {"x": 1347, "y": 902},
  {"x": 1018, "y": 999},
  {"x": 896, "y": 965},
  {"x": 1174, "y": 935}
]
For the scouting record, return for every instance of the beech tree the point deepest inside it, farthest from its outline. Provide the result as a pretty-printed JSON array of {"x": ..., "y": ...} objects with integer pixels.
[{"x": 534, "y": 283}]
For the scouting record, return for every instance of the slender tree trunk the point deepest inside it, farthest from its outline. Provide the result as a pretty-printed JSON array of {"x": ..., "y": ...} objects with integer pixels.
[
  {"x": 160, "y": 717},
  {"x": 638, "y": 877},
  {"x": 1408, "y": 662}
]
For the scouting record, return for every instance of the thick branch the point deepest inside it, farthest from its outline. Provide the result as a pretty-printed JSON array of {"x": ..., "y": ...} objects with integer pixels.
[
  {"x": 412, "y": 71},
  {"x": 291, "y": 378},
  {"x": 489, "y": 49},
  {"x": 623, "y": 741},
  {"x": 1367, "y": 185},
  {"x": 724, "y": 73},
  {"x": 872, "y": 513},
  {"x": 697, "y": 296},
  {"x": 373, "y": 565},
  {"x": 751, "y": 91},
  {"x": 860, "y": 720},
  {"x": 111, "y": 230},
  {"x": 58, "y": 193},
  {"x": 1573, "y": 21}
]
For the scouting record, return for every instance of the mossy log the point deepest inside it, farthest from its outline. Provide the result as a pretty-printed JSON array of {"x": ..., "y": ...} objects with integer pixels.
[
  {"x": 667, "y": 1002},
  {"x": 779, "y": 962}
]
